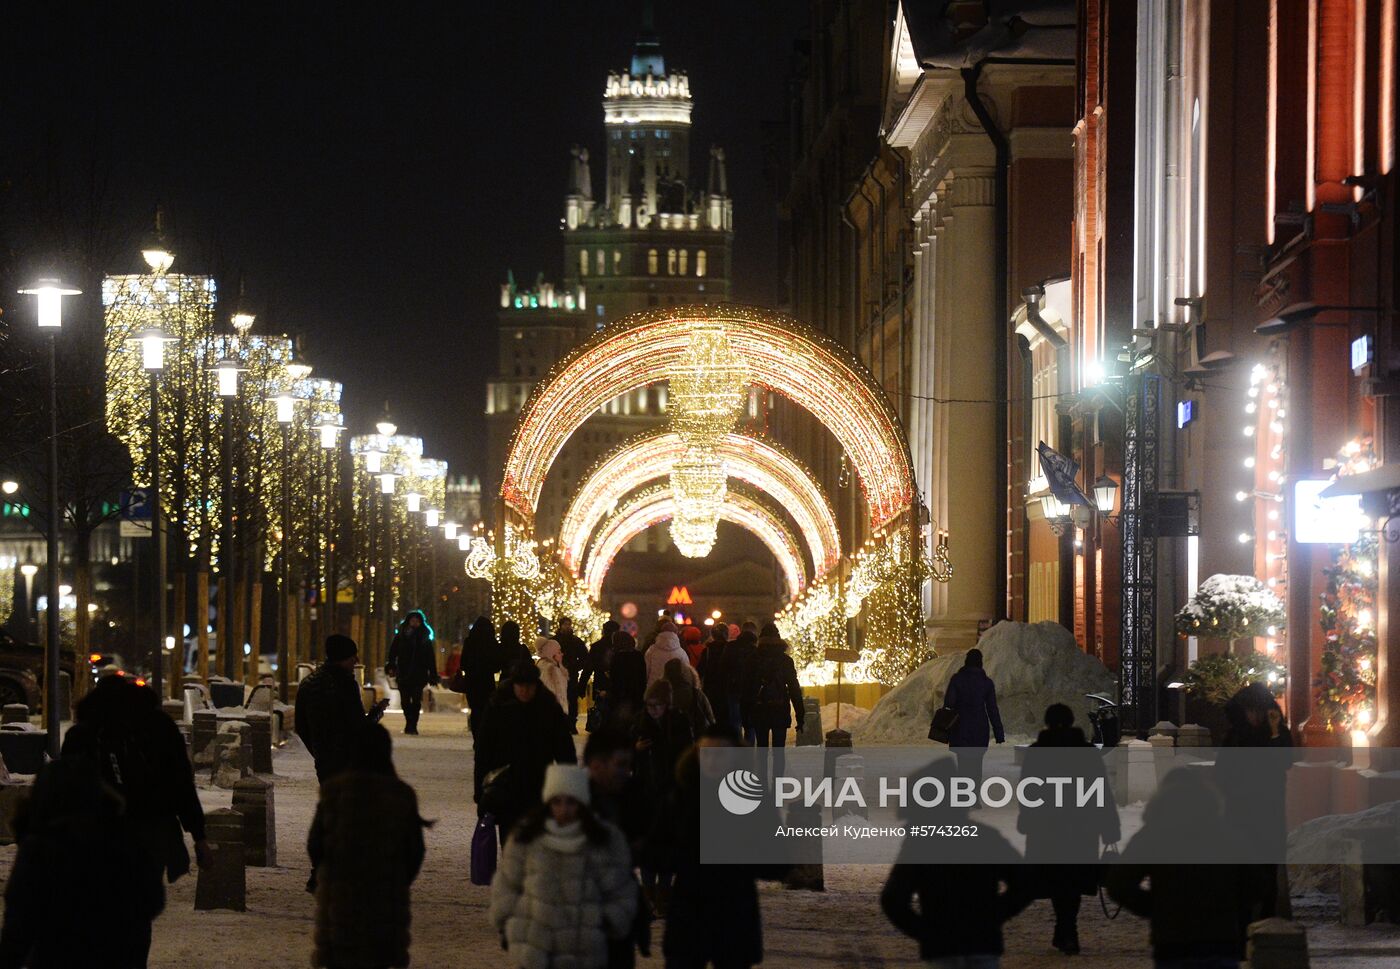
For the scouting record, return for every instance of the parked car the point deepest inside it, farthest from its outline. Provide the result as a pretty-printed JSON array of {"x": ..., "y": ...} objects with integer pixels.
[{"x": 22, "y": 670}]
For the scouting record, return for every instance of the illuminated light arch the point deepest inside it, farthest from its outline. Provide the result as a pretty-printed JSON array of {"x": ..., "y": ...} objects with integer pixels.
[
  {"x": 654, "y": 506},
  {"x": 780, "y": 353},
  {"x": 752, "y": 460}
]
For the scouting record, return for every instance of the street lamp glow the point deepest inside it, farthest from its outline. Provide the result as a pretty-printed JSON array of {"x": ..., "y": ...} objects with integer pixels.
[
  {"x": 450, "y": 530},
  {"x": 386, "y": 427},
  {"x": 415, "y": 501},
  {"x": 374, "y": 461},
  {"x": 158, "y": 258},
  {"x": 29, "y": 570},
  {"x": 286, "y": 408},
  {"x": 298, "y": 370},
  {"x": 227, "y": 371},
  {"x": 464, "y": 542},
  {"x": 328, "y": 433},
  {"x": 50, "y": 293},
  {"x": 386, "y": 483},
  {"x": 1105, "y": 494},
  {"x": 242, "y": 322},
  {"x": 153, "y": 340},
  {"x": 9, "y": 487},
  {"x": 433, "y": 516}
]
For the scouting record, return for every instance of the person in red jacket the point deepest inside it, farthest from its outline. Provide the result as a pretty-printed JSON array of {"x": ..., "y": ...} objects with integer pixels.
[{"x": 693, "y": 641}]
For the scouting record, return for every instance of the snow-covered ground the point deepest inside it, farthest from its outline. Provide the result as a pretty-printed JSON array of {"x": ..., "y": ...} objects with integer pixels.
[{"x": 842, "y": 927}]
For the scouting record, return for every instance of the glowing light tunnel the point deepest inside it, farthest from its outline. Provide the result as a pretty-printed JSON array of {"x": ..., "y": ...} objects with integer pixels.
[
  {"x": 780, "y": 353},
  {"x": 752, "y": 460},
  {"x": 655, "y": 505}
]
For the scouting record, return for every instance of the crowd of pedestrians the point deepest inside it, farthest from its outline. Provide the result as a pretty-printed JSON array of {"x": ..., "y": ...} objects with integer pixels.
[{"x": 598, "y": 846}]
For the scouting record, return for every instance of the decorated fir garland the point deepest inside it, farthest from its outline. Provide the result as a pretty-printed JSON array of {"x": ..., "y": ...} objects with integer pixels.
[
  {"x": 1346, "y": 680},
  {"x": 1218, "y": 677},
  {"x": 1231, "y": 607}
]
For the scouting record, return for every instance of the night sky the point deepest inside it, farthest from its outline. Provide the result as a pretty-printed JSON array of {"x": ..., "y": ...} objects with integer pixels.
[{"x": 370, "y": 172}]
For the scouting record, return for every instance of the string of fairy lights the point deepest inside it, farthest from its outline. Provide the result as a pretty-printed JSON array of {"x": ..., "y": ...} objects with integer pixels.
[{"x": 1265, "y": 460}]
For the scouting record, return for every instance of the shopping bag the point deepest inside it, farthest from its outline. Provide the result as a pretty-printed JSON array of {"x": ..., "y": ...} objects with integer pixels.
[{"x": 483, "y": 866}]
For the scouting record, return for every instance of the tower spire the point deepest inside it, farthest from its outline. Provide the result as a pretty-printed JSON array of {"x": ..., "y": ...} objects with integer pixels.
[{"x": 646, "y": 54}]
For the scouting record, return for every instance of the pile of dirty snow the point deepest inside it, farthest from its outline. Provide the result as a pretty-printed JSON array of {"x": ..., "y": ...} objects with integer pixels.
[
  {"x": 850, "y": 716},
  {"x": 1314, "y": 846},
  {"x": 1032, "y": 664}
]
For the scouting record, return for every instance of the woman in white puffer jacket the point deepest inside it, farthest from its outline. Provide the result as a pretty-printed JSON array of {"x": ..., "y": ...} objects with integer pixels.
[{"x": 564, "y": 886}]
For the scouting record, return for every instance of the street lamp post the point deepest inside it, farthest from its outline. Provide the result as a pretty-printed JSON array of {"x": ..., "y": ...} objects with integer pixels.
[
  {"x": 227, "y": 370},
  {"x": 50, "y": 293},
  {"x": 286, "y": 411},
  {"x": 153, "y": 341},
  {"x": 387, "y": 429},
  {"x": 329, "y": 428}
]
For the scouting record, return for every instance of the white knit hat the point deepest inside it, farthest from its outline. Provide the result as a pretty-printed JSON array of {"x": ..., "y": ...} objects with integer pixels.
[{"x": 566, "y": 779}]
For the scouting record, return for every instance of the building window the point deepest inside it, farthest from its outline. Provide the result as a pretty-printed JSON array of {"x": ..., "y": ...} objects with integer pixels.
[
  {"x": 685, "y": 258},
  {"x": 617, "y": 262},
  {"x": 700, "y": 261},
  {"x": 651, "y": 261},
  {"x": 670, "y": 262},
  {"x": 602, "y": 262},
  {"x": 1045, "y": 386},
  {"x": 583, "y": 262}
]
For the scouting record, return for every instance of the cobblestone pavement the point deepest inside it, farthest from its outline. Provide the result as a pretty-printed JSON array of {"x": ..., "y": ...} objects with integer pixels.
[{"x": 841, "y": 927}]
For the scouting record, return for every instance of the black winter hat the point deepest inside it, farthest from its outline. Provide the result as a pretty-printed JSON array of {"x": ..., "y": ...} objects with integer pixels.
[
  {"x": 340, "y": 647},
  {"x": 525, "y": 672}
]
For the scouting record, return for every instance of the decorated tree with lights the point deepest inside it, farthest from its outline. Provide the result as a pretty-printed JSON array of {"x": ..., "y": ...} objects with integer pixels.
[{"x": 1346, "y": 680}]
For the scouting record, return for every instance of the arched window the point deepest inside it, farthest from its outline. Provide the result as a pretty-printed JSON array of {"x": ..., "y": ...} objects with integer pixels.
[
  {"x": 700, "y": 262},
  {"x": 685, "y": 259},
  {"x": 651, "y": 261},
  {"x": 670, "y": 262},
  {"x": 583, "y": 262},
  {"x": 602, "y": 263}
]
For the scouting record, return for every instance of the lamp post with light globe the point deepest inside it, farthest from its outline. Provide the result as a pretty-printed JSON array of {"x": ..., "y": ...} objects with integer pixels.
[
  {"x": 329, "y": 428},
  {"x": 50, "y": 293}
]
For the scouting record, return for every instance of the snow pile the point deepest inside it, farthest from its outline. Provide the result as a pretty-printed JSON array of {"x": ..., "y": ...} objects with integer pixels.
[
  {"x": 1320, "y": 839},
  {"x": 1032, "y": 664},
  {"x": 850, "y": 717}
]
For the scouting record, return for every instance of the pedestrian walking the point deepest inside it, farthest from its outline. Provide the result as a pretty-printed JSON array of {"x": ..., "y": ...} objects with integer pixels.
[
  {"x": 661, "y": 734},
  {"x": 330, "y": 712},
  {"x": 553, "y": 674},
  {"x": 525, "y": 730},
  {"x": 972, "y": 695},
  {"x": 738, "y": 656},
  {"x": 711, "y": 671},
  {"x": 686, "y": 699},
  {"x": 575, "y": 657},
  {"x": 693, "y": 642},
  {"x": 1071, "y": 835},
  {"x": 774, "y": 697},
  {"x": 667, "y": 647},
  {"x": 1198, "y": 911},
  {"x": 412, "y": 661},
  {"x": 76, "y": 841},
  {"x": 513, "y": 649},
  {"x": 627, "y": 679},
  {"x": 481, "y": 657},
  {"x": 596, "y": 670},
  {"x": 967, "y": 888},
  {"x": 366, "y": 849},
  {"x": 608, "y": 757},
  {"x": 564, "y": 887}
]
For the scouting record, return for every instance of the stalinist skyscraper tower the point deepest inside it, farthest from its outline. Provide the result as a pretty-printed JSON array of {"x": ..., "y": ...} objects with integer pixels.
[{"x": 652, "y": 234}]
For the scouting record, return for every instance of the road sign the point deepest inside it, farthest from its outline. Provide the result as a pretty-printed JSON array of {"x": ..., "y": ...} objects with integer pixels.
[
  {"x": 135, "y": 529},
  {"x": 136, "y": 505},
  {"x": 842, "y": 655}
]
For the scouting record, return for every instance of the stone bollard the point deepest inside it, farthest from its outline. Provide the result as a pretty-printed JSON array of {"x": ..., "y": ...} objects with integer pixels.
[
  {"x": 1163, "y": 754},
  {"x": 1163, "y": 728},
  {"x": 260, "y": 737},
  {"x": 368, "y": 698},
  {"x": 811, "y": 733},
  {"x": 14, "y": 713},
  {"x": 1277, "y": 944},
  {"x": 1193, "y": 735},
  {"x": 303, "y": 671},
  {"x": 204, "y": 725},
  {"x": 23, "y": 751},
  {"x": 223, "y": 884},
  {"x": 1142, "y": 771},
  {"x": 231, "y": 754},
  {"x": 1368, "y": 887},
  {"x": 252, "y": 798},
  {"x": 852, "y": 766},
  {"x": 174, "y": 709}
]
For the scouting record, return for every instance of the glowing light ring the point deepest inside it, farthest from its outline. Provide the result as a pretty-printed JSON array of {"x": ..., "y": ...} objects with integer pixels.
[
  {"x": 655, "y": 506},
  {"x": 755, "y": 461},
  {"x": 781, "y": 355}
]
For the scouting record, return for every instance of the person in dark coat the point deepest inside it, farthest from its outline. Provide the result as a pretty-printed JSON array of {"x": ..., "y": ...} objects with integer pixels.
[
  {"x": 1198, "y": 911},
  {"x": 772, "y": 694},
  {"x": 412, "y": 662},
  {"x": 973, "y": 696},
  {"x": 366, "y": 849},
  {"x": 139, "y": 752},
  {"x": 1068, "y": 831},
  {"x": 711, "y": 670},
  {"x": 524, "y": 732},
  {"x": 596, "y": 670},
  {"x": 967, "y": 888},
  {"x": 481, "y": 656},
  {"x": 661, "y": 734},
  {"x": 1251, "y": 771},
  {"x": 734, "y": 670},
  {"x": 627, "y": 679},
  {"x": 75, "y": 843},
  {"x": 687, "y": 699},
  {"x": 513, "y": 651},
  {"x": 615, "y": 799},
  {"x": 575, "y": 659},
  {"x": 714, "y": 917},
  {"x": 329, "y": 712}
]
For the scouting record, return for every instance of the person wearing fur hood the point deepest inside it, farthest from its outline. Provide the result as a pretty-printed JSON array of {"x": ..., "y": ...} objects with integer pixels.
[
  {"x": 666, "y": 648},
  {"x": 564, "y": 886},
  {"x": 552, "y": 673}
]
